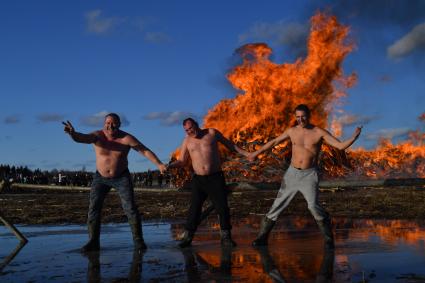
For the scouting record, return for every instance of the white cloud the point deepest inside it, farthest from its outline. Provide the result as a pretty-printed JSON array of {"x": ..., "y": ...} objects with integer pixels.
[
  {"x": 13, "y": 119},
  {"x": 169, "y": 118},
  {"x": 96, "y": 120},
  {"x": 414, "y": 40},
  {"x": 388, "y": 134},
  {"x": 50, "y": 117},
  {"x": 157, "y": 37},
  {"x": 293, "y": 35},
  {"x": 98, "y": 24}
]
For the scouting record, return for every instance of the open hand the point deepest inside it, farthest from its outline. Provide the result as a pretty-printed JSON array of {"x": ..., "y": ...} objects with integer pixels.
[
  {"x": 69, "y": 129},
  {"x": 162, "y": 168}
]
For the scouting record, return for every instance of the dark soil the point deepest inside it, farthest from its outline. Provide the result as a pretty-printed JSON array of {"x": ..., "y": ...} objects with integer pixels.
[{"x": 58, "y": 206}]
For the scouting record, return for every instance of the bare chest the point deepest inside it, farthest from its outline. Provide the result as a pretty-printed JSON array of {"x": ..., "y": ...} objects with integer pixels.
[
  {"x": 205, "y": 144},
  {"x": 308, "y": 138}
]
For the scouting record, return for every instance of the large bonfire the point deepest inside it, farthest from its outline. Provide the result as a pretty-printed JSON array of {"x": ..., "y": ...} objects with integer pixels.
[{"x": 269, "y": 93}]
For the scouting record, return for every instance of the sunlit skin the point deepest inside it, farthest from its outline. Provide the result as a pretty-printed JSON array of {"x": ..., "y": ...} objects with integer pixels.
[
  {"x": 306, "y": 142},
  {"x": 112, "y": 146},
  {"x": 201, "y": 145}
]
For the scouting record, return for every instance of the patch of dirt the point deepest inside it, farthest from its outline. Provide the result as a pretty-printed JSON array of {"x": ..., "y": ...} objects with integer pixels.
[{"x": 58, "y": 206}]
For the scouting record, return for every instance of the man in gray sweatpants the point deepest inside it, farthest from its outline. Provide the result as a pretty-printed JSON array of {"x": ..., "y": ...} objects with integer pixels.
[{"x": 302, "y": 175}]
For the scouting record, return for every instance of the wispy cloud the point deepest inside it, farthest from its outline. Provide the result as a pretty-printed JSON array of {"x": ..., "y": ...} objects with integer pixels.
[
  {"x": 50, "y": 117},
  {"x": 292, "y": 35},
  {"x": 170, "y": 118},
  {"x": 388, "y": 134},
  {"x": 157, "y": 37},
  {"x": 99, "y": 24},
  {"x": 12, "y": 119},
  {"x": 97, "y": 119},
  {"x": 349, "y": 120},
  {"x": 412, "y": 41}
]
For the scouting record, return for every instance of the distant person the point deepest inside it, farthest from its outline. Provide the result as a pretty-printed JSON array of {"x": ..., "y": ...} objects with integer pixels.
[
  {"x": 302, "y": 174},
  {"x": 201, "y": 145},
  {"x": 112, "y": 146}
]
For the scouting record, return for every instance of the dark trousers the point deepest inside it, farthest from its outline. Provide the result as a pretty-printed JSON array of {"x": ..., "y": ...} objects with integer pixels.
[
  {"x": 214, "y": 187},
  {"x": 100, "y": 188}
]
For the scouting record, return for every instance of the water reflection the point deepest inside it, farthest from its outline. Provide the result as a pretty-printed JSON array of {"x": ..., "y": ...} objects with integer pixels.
[
  {"x": 94, "y": 268},
  {"x": 378, "y": 250}
]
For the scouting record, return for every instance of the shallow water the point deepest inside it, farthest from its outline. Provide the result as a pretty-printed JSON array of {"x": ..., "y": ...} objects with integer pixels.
[{"x": 366, "y": 251}]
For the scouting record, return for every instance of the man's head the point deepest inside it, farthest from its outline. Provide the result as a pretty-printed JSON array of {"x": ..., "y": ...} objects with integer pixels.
[
  {"x": 112, "y": 122},
  {"x": 302, "y": 115},
  {"x": 191, "y": 127}
]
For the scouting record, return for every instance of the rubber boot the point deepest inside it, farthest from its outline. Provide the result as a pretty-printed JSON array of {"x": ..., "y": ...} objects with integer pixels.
[
  {"x": 325, "y": 227},
  {"x": 265, "y": 229},
  {"x": 136, "y": 230},
  {"x": 93, "y": 244},
  {"x": 186, "y": 239},
  {"x": 226, "y": 239}
]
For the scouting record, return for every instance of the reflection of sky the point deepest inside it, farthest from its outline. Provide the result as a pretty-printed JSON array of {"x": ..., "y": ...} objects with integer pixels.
[{"x": 382, "y": 249}]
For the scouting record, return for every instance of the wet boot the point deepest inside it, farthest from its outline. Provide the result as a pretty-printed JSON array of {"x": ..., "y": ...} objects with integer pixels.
[
  {"x": 325, "y": 227},
  {"x": 94, "y": 234},
  {"x": 186, "y": 239},
  {"x": 265, "y": 229},
  {"x": 136, "y": 230},
  {"x": 226, "y": 239}
]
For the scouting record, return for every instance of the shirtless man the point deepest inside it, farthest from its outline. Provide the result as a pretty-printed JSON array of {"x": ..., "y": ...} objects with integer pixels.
[
  {"x": 201, "y": 145},
  {"x": 112, "y": 146},
  {"x": 302, "y": 174}
]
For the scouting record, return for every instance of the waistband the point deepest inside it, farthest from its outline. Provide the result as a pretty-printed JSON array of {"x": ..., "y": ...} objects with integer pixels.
[
  {"x": 303, "y": 170},
  {"x": 122, "y": 174},
  {"x": 218, "y": 173}
]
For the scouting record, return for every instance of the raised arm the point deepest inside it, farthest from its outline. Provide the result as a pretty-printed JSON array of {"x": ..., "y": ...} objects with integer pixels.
[
  {"x": 79, "y": 137},
  {"x": 143, "y": 150},
  {"x": 331, "y": 140},
  {"x": 229, "y": 144},
  {"x": 269, "y": 145},
  {"x": 183, "y": 156}
]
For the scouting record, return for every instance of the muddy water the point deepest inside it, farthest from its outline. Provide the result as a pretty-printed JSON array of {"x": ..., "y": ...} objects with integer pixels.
[{"x": 366, "y": 251}]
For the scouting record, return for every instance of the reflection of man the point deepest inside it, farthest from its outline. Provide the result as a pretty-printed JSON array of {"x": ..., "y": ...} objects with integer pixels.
[
  {"x": 208, "y": 181},
  {"x": 112, "y": 146},
  {"x": 302, "y": 174},
  {"x": 324, "y": 275},
  {"x": 94, "y": 272}
]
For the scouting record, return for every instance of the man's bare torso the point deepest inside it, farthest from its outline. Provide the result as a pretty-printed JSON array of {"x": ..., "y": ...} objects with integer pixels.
[
  {"x": 203, "y": 151},
  {"x": 306, "y": 144},
  {"x": 111, "y": 154}
]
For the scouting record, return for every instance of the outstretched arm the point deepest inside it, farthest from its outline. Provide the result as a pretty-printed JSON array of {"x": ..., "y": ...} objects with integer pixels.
[
  {"x": 269, "y": 145},
  {"x": 78, "y": 137},
  {"x": 143, "y": 150},
  {"x": 183, "y": 156},
  {"x": 229, "y": 144},
  {"x": 331, "y": 140}
]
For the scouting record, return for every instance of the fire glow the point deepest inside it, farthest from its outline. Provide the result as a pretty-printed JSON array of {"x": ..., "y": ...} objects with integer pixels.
[{"x": 270, "y": 92}]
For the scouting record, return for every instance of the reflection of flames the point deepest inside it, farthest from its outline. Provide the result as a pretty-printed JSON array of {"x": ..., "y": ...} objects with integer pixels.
[{"x": 270, "y": 93}]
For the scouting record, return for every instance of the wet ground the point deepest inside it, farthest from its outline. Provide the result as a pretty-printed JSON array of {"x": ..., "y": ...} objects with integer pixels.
[{"x": 366, "y": 251}]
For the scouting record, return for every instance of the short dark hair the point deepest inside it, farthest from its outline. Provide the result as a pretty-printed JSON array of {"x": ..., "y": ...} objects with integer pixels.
[
  {"x": 115, "y": 116},
  {"x": 303, "y": 107},
  {"x": 190, "y": 120}
]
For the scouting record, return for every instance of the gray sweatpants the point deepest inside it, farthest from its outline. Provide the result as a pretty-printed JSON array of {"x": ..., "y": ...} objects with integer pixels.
[{"x": 305, "y": 181}]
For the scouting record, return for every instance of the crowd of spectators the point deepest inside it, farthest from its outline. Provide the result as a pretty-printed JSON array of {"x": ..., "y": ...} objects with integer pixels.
[{"x": 24, "y": 175}]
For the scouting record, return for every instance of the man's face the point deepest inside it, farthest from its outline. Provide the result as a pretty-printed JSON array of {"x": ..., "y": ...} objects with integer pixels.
[
  {"x": 190, "y": 129},
  {"x": 111, "y": 124},
  {"x": 302, "y": 118}
]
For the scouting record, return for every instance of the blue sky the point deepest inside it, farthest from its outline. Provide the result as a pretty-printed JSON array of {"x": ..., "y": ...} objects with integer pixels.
[{"x": 156, "y": 62}]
